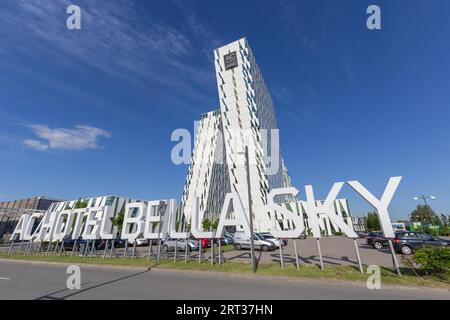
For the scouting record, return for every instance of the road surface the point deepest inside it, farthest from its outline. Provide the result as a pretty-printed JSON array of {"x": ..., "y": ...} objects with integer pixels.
[{"x": 36, "y": 280}]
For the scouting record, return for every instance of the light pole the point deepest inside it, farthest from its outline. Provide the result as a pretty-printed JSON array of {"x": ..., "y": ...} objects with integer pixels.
[{"x": 424, "y": 198}]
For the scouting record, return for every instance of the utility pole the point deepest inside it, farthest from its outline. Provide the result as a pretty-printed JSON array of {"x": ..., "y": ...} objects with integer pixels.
[{"x": 427, "y": 207}]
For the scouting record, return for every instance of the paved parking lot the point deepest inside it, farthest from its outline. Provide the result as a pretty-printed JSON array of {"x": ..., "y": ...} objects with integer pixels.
[{"x": 335, "y": 251}]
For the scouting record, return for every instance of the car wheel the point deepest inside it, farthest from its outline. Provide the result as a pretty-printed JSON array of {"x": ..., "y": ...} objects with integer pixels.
[
  {"x": 165, "y": 248},
  {"x": 378, "y": 245},
  {"x": 237, "y": 246},
  {"x": 264, "y": 248},
  {"x": 406, "y": 250}
]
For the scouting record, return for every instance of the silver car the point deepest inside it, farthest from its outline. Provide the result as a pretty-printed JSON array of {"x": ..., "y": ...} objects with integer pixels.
[
  {"x": 241, "y": 241},
  {"x": 170, "y": 244}
]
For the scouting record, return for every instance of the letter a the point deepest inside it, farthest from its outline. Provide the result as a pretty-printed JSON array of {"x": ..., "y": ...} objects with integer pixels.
[
  {"x": 374, "y": 21},
  {"x": 74, "y": 20},
  {"x": 74, "y": 280},
  {"x": 374, "y": 280}
]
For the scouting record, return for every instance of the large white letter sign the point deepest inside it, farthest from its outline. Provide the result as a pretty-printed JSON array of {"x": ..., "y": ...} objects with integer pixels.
[
  {"x": 240, "y": 218},
  {"x": 45, "y": 232},
  {"x": 195, "y": 229},
  {"x": 287, "y": 215},
  {"x": 19, "y": 231},
  {"x": 133, "y": 221},
  {"x": 28, "y": 236},
  {"x": 78, "y": 227},
  {"x": 326, "y": 208},
  {"x": 92, "y": 224},
  {"x": 63, "y": 228},
  {"x": 381, "y": 206},
  {"x": 172, "y": 211},
  {"x": 107, "y": 230},
  {"x": 154, "y": 220}
]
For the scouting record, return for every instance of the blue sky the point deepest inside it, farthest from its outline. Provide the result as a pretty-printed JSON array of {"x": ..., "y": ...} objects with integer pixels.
[{"x": 91, "y": 112}]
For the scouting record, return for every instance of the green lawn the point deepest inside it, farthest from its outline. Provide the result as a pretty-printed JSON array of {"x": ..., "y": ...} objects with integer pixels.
[{"x": 344, "y": 273}]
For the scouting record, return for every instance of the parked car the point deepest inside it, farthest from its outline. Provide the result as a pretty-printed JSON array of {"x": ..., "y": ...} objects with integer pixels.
[
  {"x": 169, "y": 245},
  {"x": 229, "y": 234},
  {"x": 241, "y": 241},
  {"x": 100, "y": 244},
  {"x": 141, "y": 242},
  {"x": 118, "y": 243},
  {"x": 303, "y": 236},
  {"x": 406, "y": 242},
  {"x": 377, "y": 240},
  {"x": 206, "y": 243},
  {"x": 69, "y": 244},
  {"x": 229, "y": 239},
  {"x": 362, "y": 234},
  {"x": 224, "y": 241},
  {"x": 278, "y": 242}
]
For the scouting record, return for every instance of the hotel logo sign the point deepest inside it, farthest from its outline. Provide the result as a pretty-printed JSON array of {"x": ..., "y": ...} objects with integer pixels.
[{"x": 230, "y": 61}]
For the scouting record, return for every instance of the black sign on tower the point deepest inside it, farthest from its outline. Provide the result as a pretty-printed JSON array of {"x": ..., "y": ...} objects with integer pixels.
[{"x": 230, "y": 60}]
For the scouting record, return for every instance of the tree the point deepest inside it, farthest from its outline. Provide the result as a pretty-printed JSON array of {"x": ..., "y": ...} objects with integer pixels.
[
  {"x": 80, "y": 204},
  {"x": 444, "y": 220},
  {"x": 117, "y": 221},
  {"x": 372, "y": 222},
  {"x": 215, "y": 224},
  {"x": 206, "y": 224},
  {"x": 425, "y": 215}
]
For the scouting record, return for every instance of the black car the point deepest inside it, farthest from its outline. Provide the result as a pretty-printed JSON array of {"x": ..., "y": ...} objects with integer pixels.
[
  {"x": 362, "y": 234},
  {"x": 406, "y": 242},
  {"x": 377, "y": 240},
  {"x": 69, "y": 244}
]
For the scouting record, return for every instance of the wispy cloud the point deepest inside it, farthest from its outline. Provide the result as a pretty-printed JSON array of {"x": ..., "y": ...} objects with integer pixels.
[
  {"x": 80, "y": 138},
  {"x": 115, "y": 39},
  {"x": 209, "y": 39}
]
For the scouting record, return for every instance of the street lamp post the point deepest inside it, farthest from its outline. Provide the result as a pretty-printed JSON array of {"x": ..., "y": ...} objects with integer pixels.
[{"x": 424, "y": 198}]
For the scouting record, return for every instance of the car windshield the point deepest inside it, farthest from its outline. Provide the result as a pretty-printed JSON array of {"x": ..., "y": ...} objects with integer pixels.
[{"x": 258, "y": 236}]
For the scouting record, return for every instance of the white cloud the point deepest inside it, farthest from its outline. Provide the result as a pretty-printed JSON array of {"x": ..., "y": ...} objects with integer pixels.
[
  {"x": 80, "y": 138},
  {"x": 36, "y": 145}
]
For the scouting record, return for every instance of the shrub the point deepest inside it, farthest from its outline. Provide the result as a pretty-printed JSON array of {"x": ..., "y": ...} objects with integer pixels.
[
  {"x": 434, "y": 260},
  {"x": 444, "y": 231}
]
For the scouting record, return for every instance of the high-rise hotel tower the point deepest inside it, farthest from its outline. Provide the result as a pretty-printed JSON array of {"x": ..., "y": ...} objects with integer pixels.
[{"x": 246, "y": 118}]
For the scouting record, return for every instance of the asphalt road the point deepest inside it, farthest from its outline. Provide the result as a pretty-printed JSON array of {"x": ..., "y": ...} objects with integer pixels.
[{"x": 33, "y": 280}]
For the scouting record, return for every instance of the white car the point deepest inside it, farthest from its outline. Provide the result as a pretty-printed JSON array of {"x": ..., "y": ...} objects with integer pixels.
[
  {"x": 241, "y": 241},
  {"x": 142, "y": 242},
  {"x": 278, "y": 242}
]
